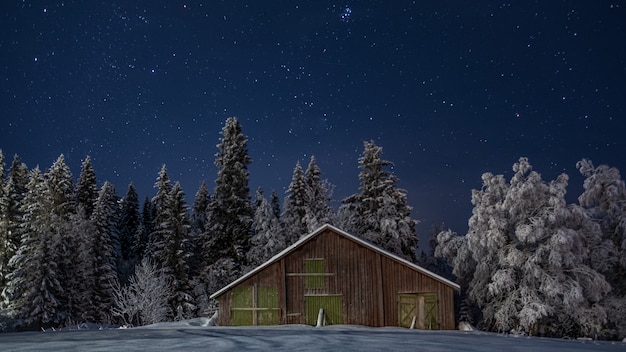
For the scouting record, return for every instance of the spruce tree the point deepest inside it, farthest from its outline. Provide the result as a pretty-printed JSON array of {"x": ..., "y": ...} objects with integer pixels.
[
  {"x": 128, "y": 226},
  {"x": 61, "y": 189},
  {"x": 318, "y": 191},
  {"x": 33, "y": 288},
  {"x": 11, "y": 216},
  {"x": 142, "y": 238},
  {"x": 295, "y": 207},
  {"x": 267, "y": 240},
  {"x": 87, "y": 188},
  {"x": 163, "y": 185},
  {"x": 380, "y": 211},
  {"x": 106, "y": 251},
  {"x": 171, "y": 248},
  {"x": 229, "y": 216},
  {"x": 198, "y": 227}
]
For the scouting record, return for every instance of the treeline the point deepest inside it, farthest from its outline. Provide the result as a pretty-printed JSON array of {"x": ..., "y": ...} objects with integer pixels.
[
  {"x": 530, "y": 263},
  {"x": 73, "y": 252}
]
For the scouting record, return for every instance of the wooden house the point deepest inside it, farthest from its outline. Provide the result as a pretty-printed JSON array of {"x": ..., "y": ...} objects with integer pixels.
[{"x": 354, "y": 281}]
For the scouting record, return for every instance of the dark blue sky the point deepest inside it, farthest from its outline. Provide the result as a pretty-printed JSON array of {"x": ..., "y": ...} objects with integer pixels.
[{"x": 449, "y": 89}]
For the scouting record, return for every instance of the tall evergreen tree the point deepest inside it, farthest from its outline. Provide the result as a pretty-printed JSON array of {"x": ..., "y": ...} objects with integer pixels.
[
  {"x": 295, "y": 207},
  {"x": 128, "y": 226},
  {"x": 106, "y": 251},
  {"x": 267, "y": 240},
  {"x": 171, "y": 247},
  {"x": 87, "y": 188},
  {"x": 34, "y": 287},
  {"x": 198, "y": 226},
  {"x": 163, "y": 185},
  {"x": 230, "y": 212},
  {"x": 11, "y": 216},
  {"x": 380, "y": 210},
  {"x": 142, "y": 239},
  {"x": 318, "y": 211},
  {"x": 61, "y": 189},
  {"x": 275, "y": 204}
]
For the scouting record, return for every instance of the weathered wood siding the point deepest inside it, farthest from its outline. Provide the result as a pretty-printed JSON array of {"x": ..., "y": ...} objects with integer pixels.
[{"x": 369, "y": 283}]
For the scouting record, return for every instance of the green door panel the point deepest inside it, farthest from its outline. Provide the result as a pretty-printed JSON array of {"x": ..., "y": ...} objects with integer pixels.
[{"x": 333, "y": 309}]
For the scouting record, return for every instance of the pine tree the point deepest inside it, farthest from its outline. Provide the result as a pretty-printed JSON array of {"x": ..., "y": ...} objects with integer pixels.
[
  {"x": 198, "y": 226},
  {"x": 84, "y": 264},
  {"x": 11, "y": 216},
  {"x": 128, "y": 226},
  {"x": 380, "y": 211},
  {"x": 275, "y": 204},
  {"x": 60, "y": 184},
  {"x": 171, "y": 247},
  {"x": 142, "y": 238},
  {"x": 87, "y": 188},
  {"x": 318, "y": 211},
  {"x": 230, "y": 213},
  {"x": 267, "y": 240},
  {"x": 33, "y": 286},
  {"x": 295, "y": 209},
  {"x": 163, "y": 185},
  {"x": 106, "y": 251}
]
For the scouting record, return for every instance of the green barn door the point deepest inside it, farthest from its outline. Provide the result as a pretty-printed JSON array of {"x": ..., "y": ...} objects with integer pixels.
[
  {"x": 241, "y": 305},
  {"x": 252, "y": 305},
  {"x": 431, "y": 315},
  {"x": 407, "y": 309},
  {"x": 332, "y": 305},
  {"x": 422, "y": 307}
]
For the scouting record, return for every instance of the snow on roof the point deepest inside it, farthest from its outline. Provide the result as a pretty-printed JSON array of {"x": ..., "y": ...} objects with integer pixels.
[{"x": 320, "y": 230}]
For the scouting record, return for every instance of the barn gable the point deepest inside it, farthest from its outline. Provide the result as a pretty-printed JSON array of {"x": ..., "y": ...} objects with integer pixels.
[{"x": 353, "y": 280}]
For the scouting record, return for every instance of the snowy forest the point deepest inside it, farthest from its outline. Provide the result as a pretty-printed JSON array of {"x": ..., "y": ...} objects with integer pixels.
[{"x": 73, "y": 252}]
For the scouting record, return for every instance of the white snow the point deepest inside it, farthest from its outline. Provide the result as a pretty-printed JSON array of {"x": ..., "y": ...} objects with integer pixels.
[{"x": 199, "y": 335}]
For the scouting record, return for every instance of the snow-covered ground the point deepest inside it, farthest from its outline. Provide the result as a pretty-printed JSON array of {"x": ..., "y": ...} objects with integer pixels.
[{"x": 196, "y": 335}]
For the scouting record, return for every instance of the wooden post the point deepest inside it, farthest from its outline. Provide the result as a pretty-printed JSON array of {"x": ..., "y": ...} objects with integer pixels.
[
  {"x": 320, "y": 318},
  {"x": 413, "y": 322}
]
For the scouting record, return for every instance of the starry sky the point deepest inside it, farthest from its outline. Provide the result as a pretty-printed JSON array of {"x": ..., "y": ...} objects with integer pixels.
[{"x": 449, "y": 89}]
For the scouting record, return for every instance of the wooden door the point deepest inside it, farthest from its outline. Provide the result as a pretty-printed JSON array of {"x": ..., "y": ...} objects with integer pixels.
[
  {"x": 419, "y": 306},
  {"x": 332, "y": 305}
]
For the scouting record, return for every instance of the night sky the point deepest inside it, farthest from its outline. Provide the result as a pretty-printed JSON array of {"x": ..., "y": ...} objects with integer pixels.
[{"x": 449, "y": 89}]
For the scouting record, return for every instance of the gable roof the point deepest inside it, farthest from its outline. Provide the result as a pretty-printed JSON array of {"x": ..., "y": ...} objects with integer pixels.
[{"x": 360, "y": 241}]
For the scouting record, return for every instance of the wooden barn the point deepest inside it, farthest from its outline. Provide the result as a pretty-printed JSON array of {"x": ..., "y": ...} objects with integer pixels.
[{"x": 354, "y": 282}]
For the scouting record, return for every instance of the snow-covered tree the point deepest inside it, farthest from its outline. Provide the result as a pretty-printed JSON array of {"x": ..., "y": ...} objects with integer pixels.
[
  {"x": 80, "y": 292},
  {"x": 145, "y": 300},
  {"x": 171, "y": 247},
  {"x": 319, "y": 193},
  {"x": 33, "y": 287},
  {"x": 105, "y": 249},
  {"x": 163, "y": 186},
  {"x": 129, "y": 225},
  {"x": 275, "y": 204},
  {"x": 87, "y": 188},
  {"x": 13, "y": 193},
  {"x": 604, "y": 200},
  {"x": 229, "y": 216},
  {"x": 198, "y": 226},
  {"x": 142, "y": 238},
  {"x": 380, "y": 211},
  {"x": 529, "y": 269},
  {"x": 295, "y": 207},
  {"x": 267, "y": 240}
]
